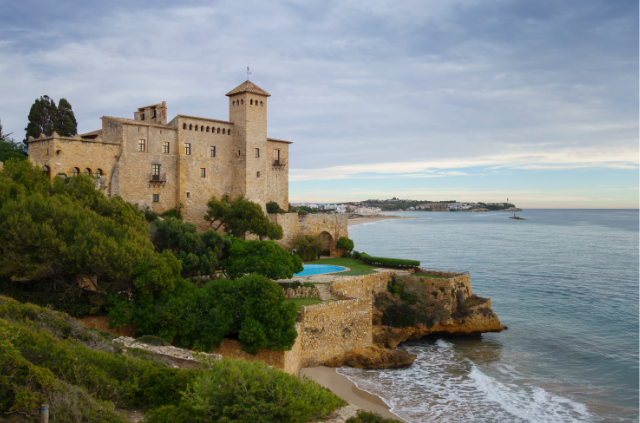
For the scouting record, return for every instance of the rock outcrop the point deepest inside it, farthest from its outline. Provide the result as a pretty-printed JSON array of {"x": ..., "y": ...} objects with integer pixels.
[
  {"x": 374, "y": 357},
  {"x": 476, "y": 322}
]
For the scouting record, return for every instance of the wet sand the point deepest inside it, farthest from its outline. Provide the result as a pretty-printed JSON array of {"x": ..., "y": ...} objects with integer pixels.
[
  {"x": 376, "y": 218},
  {"x": 346, "y": 389}
]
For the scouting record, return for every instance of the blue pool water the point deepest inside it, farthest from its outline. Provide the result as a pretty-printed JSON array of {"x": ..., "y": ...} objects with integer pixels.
[
  {"x": 319, "y": 269},
  {"x": 566, "y": 284}
]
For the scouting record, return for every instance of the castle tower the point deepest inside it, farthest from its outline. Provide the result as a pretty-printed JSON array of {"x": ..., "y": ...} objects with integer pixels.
[{"x": 248, "y": 113}]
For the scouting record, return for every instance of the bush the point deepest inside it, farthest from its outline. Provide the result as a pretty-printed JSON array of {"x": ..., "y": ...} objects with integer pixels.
[
  {"x": 264, "y": 258},
  {"x": 383, "y": 261},
  {"x": 345, "y": 244},
  {"x": 251, "y": 309},
  {"x": 366, "y": 417},
  {"x": 273, "y": 207},
  {"x": 401, "y": 316},
  {"x": 246, "y": 391},
  {"x": 308, "y": 247}
]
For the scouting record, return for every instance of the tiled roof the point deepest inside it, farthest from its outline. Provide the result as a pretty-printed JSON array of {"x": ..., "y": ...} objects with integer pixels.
[{"x": 250, "y": 87}]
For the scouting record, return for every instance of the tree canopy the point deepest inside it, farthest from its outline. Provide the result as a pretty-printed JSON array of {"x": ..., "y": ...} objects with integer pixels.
[
  {"x": 45, "y": 118},
  {"x": 9, "y": 148},
  {"x": 239, "y": 217},
  {"x": 265, "y": 258}
]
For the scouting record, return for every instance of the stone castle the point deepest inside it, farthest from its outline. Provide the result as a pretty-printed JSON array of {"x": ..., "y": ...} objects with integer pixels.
[{"x": 151, "y": 162}]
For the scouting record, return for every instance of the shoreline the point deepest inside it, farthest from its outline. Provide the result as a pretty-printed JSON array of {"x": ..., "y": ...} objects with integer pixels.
[
  {"x": 376, "y": 218},
  {"x": 346, "y": 389}
]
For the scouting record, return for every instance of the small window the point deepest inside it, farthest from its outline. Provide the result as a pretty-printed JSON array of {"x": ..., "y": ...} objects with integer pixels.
[
  {"x": 202, "y": 129},
  {"x": 142, "y": 116},
  {"x": 233, "y": 102},
  {"x": 141, "y": 145},
  {"x": 154, "y": 113},
  {"x": 239, "y": 153},
  {"x": 257, "y": 153},
  {"x": 190, "y": 127},
  {"x": 251, "y": 102},
  {"x": 184, "y": 126},
  {"x": 203, "y": 172},
  {"x": 208, "y": 129},
  {"x": 261, "y": 104},
  {"x": 188, "y": 195},
  {"x": 257, "y": 174},
  {"x": 155, "y": 170},
  {"x": 223, "y": 131},
  {"x": 87, "y": 171},
  {"x": 166, "y": 147},
  {"x": 187, "y": 149},
  {"x": 75, "y": 171},
  {"x": 218, "y": 130},
  {"x": 47, "y": 151},
  {"x": 242, "y": 101},
  {"x": 213, "y": 151},
  {"x": 229, "y": 132},
  {"x": 99, "y": 172},
  {"x": 156, "y": 198}
]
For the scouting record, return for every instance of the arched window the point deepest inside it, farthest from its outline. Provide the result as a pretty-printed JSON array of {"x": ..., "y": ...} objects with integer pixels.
[
  {"x": 213, "y": 129},
  {"x": 242, "y": 101},
  {"x": 46, "y": 171},
  {"x": 184, "y": 126},
  {"x": 251, "y": 102},
  {"x": 87, "y": 171},
  {"x": 99, "y": 172},
  {"x": 233, "y": 102},
  {"x": 229, "y": 132},
  {"x": 202, "y": 129},
  {"x": 261, "y": 104},
  {"x": 218, "y": 130},
  {"x": 223, "y": 130},
  {"x": 75, "y": 171},
  {"x": 190, "y": 127},
  {"x": 207, "y": 129}
]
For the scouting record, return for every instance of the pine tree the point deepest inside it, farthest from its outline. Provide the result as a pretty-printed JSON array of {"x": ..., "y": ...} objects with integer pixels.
[
  {"x": 66, "y": 125},
  {"x": 42, "y": 117}
]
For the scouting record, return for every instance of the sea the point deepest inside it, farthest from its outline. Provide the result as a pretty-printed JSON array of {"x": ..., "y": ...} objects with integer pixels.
[{"x": 566, "y": 284}]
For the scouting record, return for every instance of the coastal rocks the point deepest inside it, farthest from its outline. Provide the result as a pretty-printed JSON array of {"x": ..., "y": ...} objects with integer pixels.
[
  {"x": 475, "y": 322},
  {"x": 302, "y": 292},
  {"x": 374, "y": 357}
]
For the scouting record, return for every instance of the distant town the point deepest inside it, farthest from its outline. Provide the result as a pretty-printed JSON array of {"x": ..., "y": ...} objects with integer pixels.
[{"x": 370, "y": 207}]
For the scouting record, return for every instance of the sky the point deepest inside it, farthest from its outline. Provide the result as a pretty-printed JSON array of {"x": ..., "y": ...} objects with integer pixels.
[{"x": 467, "y": 100}]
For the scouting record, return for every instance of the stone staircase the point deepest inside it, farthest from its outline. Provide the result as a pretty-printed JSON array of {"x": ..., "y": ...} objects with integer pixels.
[{"x": 325, "y": 292}]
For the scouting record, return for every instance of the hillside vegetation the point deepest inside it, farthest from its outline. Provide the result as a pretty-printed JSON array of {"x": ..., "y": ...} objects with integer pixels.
[{"x": 47, "y": 357}]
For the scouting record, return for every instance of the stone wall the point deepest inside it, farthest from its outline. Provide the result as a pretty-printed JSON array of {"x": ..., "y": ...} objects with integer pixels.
[
  {"x": 333, "y": 328},
  {"x": 289, "y": 224},
  {"x": 361, "y": 286},
  {"x": 330, "y": 226},
  {"x": 302, "y": 292}
]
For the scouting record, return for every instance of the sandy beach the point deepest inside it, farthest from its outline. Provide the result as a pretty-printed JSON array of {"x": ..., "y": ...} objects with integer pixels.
[
  {"x": 376, "y": 218},
  {"x": 344, "y": 388}
]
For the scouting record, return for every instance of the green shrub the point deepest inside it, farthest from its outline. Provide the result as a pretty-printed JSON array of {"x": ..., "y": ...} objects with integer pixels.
[
  {"x": 175, "y": 213},
  {"x": 308, "y": 247},
  {"x": 247, "y": 391},
  {"x": 401, "y": 316},
  {"x": 383, "y": 261},
  {"x": 345, "y": 244},
  {"x": 273, "y": 207},
  {"x": 265, "y": 258},
  {"x": 366, "y": 417},
  {"x": 47, "y": 357}
]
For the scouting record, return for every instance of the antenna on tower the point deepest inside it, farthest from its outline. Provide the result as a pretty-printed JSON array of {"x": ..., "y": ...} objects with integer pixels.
[{"x": 248, "y": 73}]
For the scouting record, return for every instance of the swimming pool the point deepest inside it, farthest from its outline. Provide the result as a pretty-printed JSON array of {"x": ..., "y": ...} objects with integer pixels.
[{"x": 319, "y": 269}]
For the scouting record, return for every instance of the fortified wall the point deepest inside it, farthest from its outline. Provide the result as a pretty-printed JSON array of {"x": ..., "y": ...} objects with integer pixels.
[{"x": 329, "y": 226}]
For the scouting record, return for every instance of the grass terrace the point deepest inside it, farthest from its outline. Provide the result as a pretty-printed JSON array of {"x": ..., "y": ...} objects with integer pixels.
[
  {"x": 357, "y": 268},
  {"x": 301, "y": 302}
]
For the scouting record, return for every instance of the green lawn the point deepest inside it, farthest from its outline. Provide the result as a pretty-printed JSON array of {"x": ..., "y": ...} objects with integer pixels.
[
  {"x": 299, "y": 302},
  {"x": 357, "y": 267}
]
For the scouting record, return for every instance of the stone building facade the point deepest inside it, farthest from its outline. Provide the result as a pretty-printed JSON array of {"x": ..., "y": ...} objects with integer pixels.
[{"x": 152, "y": 162}]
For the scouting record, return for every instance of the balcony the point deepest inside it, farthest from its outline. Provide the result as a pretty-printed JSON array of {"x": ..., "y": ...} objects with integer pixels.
[
  {"x": 161, "y": 177},
  {"x": 279, "y": 163}
]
